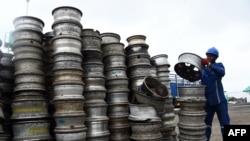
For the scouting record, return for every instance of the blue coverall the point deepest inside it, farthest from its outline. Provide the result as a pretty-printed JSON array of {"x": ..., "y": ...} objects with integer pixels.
[{"x": 215, "y": 97}]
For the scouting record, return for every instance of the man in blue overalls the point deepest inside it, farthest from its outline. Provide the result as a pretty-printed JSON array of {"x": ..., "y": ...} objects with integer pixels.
[{"x": 216, "y": 101}]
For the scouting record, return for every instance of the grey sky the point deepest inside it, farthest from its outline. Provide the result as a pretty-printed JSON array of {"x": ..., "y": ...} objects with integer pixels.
[{"x": 172, "y": 27}]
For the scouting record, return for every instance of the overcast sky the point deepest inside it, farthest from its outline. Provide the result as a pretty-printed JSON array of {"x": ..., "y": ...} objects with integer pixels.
[{"x": 172, "y": 27}]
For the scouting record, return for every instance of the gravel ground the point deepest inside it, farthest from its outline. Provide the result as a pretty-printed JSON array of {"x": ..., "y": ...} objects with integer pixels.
[{"x": 239, "y": 114}]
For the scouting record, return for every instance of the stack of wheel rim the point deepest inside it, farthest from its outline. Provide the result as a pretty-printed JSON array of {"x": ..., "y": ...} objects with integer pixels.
[
  {"x": 115, "y": 71},
  {"x": 153, "y": 69},
  {"x": 138, "y": 62},
  {"x": 48, "y": 62},
  {"x": 145, "y": 123},
  {"x": 4, "y": 135},
  {"x": 162, "y": 69},
  {"x": 67, "y": 73},
  {"x": 168, "y": 129},
  {"x": 168, "y": 117},
  {"x": 94, "y": 91},
  {"x": 192, "y": 114},
  {"x": 30, "y": 117},
  {"x": 7, "y": 80}
]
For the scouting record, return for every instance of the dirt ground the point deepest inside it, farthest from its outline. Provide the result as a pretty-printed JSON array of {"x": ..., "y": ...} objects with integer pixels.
[{"x": 239, "y": 114}]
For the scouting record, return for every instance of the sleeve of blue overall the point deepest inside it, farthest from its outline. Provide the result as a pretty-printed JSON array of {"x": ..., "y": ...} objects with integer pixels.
[{"x": 211, "y": 77}]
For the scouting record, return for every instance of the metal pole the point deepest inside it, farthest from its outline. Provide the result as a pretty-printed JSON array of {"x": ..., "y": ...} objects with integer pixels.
[
  {"x": 27, "y": 7},
  {"x": 176, "y": 81}
]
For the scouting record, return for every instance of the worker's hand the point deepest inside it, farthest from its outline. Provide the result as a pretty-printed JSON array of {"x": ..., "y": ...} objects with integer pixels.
[{"x": 205, "y": 61}]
